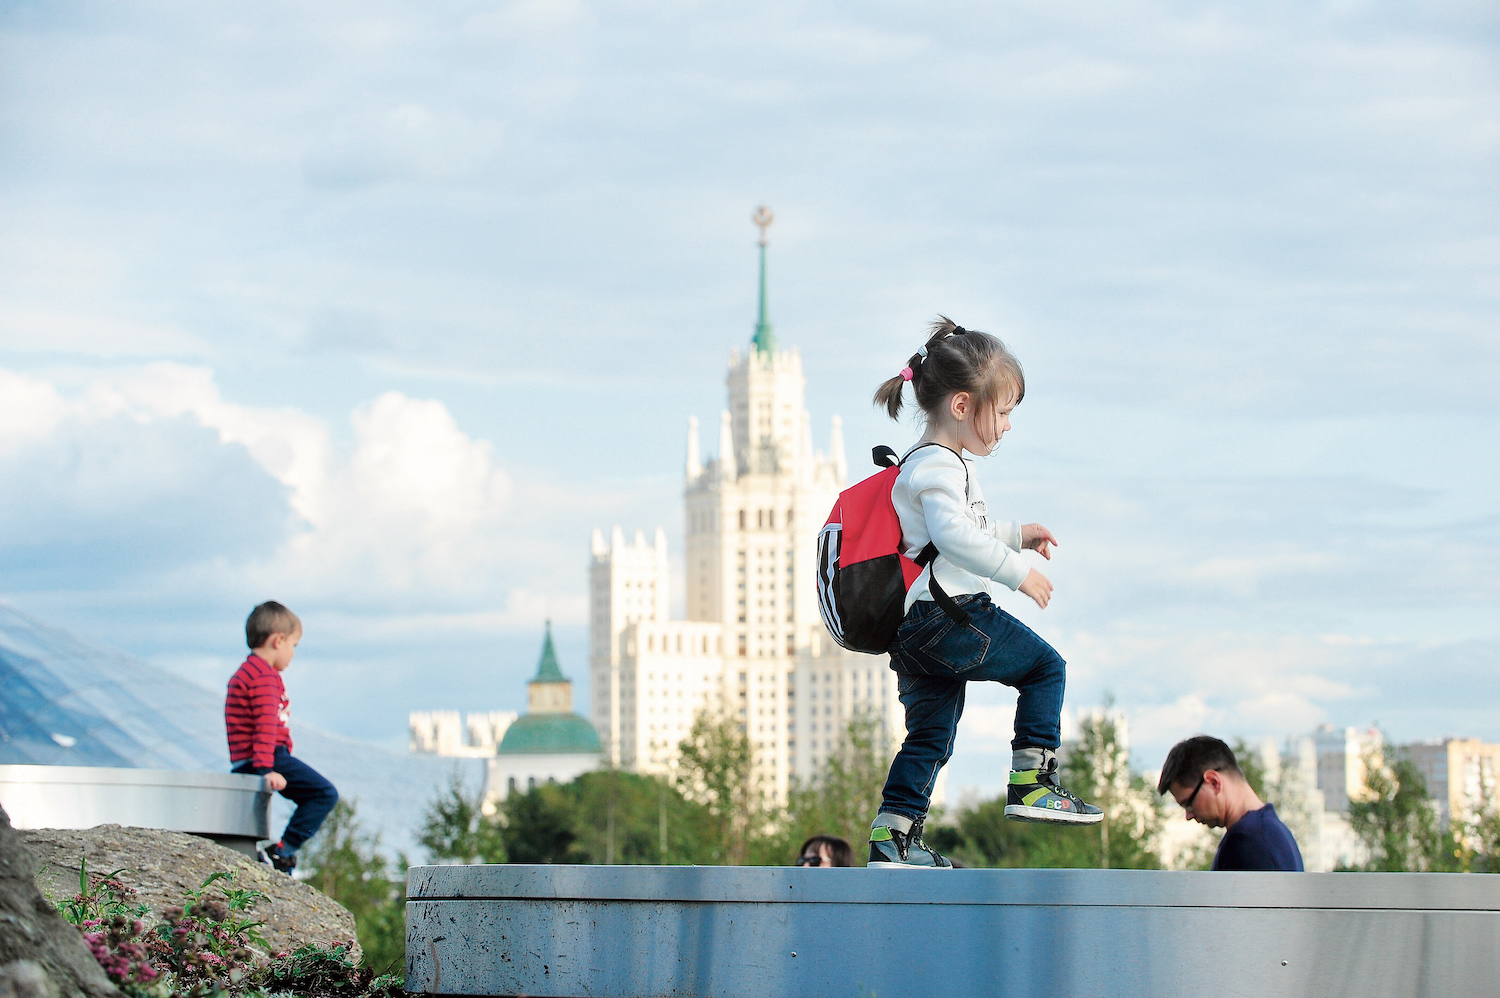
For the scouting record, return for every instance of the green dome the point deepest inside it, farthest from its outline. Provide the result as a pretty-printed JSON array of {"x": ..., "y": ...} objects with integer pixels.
[{"x": 550, "y": 734}]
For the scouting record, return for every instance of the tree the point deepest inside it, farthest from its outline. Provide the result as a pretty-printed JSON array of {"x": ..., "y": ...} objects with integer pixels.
[
  {"x": 841, "y": 799},
  {"x": 540, "y": 826},
  {"x": 1098, "y": 770},
  {"x": 716, "y": 769},
  {"x": 1250, "y": 768},
  {"x": 456, "y": 829},
  {"x": 1396, "y": 820},
  {"x": 345, "y": 863},
  {"x": 636, "y": 818},
  {"x": 1477, "y": 841}
]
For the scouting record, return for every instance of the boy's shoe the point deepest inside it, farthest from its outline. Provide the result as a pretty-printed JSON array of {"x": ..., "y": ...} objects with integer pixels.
[
  {"x": 1035, "y": 795},
  {"x": 896, "y": 843},
  {"x": 277, "y": 856}
]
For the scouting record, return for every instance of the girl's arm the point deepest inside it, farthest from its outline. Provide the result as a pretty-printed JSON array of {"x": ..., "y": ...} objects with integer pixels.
[
  {"x": 939, "y": 485},
  {"x": 1008, "y": 533}
]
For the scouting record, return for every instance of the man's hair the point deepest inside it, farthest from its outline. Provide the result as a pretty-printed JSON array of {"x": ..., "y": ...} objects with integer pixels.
[
  {"x": 1191, "y": 758},
  {"x": 267, "y": 619}
]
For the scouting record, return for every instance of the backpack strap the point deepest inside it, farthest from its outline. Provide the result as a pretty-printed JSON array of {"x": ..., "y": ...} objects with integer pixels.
[
  {"x": 933, "y": 443},
  {"x": 886, "y": 458},
  {"x": 940, "y": 596}
]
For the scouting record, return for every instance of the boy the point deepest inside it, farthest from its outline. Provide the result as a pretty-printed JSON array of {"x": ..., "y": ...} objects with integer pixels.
[{"x": 255, "y": 718}]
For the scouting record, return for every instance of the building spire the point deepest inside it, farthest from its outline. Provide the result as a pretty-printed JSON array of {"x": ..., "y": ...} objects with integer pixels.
[
  {"x": 765, "y": 339},
  {"x": 546, "y": 667}
]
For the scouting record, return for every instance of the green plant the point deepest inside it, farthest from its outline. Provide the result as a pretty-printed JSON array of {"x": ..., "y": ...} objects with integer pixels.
[
  {"x": 345, "y": 862},
  {"x": 113, "y": 929},
  {"x": 206, "y": 942},
  {"x": 316, "y": 970},
  {"x": 100, "y": 897}
]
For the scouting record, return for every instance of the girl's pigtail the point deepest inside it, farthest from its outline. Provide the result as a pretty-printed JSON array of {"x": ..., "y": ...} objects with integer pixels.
[{"x": 888, "y": 395}]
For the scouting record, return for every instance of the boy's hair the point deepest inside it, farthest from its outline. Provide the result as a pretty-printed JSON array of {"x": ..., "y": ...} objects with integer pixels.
[
  {"x": 1192, "y": 757},
  {"x": 267, "y": 619},
  {"x": 958, "y": 360},
  {"x": 838, "y": 849}
]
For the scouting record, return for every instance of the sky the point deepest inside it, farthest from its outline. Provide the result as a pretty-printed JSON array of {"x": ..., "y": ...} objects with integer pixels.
[{"x": 378, "y": 309}]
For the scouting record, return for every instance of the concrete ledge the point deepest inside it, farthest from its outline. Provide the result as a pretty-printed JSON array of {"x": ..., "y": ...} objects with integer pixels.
[
  {"x": 233, "y": 809},
  {"x": 634, "y": 932}
]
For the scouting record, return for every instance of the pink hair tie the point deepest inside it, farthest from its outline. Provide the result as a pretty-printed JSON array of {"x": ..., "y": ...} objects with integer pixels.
[{"x": 906, "y": 374}]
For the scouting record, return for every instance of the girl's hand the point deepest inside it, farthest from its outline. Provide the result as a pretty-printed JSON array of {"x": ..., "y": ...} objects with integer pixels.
[
  {"x": 1038, "y": 587},
  {"x": 1039, "y": 539}
]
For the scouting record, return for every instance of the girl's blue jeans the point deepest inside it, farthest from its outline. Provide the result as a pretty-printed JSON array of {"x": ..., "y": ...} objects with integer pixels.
[{"x": 934, "y": 658}]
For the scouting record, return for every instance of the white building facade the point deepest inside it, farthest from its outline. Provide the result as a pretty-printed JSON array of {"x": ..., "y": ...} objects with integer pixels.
[{"x": 753, "y": 643}]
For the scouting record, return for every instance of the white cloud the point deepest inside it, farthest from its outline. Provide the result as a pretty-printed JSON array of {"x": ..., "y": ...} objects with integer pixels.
[
  {"x": 29, "y": 409},
  {"x": 414, "y": 508}
]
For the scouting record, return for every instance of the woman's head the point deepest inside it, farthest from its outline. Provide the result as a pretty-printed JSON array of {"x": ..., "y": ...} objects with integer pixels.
[
  {"x": 825, "y": 850},
  {"x": 955, "y": 361}
]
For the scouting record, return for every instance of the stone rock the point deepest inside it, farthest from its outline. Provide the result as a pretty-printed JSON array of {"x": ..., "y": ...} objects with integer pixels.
[
  {"x": 161, "y": 866},
  {"x": 25, "y": 979},
  {"x": 41, "y": 955}
]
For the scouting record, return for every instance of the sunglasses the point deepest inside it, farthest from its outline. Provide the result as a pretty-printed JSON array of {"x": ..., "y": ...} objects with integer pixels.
[{"x": 809, "y": 860}]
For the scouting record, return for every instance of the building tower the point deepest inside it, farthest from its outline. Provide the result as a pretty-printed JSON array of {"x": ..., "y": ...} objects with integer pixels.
[
  {"x": 753, "y": 643},
  {"x": 549, "y": 744}
]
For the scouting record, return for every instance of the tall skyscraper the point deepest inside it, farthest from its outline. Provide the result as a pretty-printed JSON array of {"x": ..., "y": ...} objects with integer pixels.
[{"x": 753, "y": 644}]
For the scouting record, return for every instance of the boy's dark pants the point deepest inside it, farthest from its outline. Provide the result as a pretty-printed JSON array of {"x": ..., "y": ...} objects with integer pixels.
[
  {"x": 306, "y": 787},
  {"x": 935, "y": 659}
]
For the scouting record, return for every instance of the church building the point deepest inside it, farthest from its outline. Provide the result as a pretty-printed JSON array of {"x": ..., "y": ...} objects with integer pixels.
[{"x": 547, "y": 744}]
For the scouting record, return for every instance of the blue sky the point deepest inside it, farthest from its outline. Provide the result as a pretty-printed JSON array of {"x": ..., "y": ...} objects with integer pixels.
[{"x": 379, "y": 308}]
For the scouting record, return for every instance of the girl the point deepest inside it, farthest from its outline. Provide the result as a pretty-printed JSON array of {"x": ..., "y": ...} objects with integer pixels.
[{"x": 966, "y": 384}]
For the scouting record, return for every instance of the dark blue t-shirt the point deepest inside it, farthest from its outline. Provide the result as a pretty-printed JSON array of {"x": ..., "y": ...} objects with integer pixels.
[{"x": 1258, "y": 841}]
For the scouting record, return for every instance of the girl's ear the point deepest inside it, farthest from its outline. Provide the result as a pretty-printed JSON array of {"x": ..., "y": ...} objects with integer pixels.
[{"x": 958, "y": 406}]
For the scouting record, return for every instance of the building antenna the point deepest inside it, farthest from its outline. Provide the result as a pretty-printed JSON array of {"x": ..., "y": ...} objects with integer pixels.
[{"x": 765, "y": 339}]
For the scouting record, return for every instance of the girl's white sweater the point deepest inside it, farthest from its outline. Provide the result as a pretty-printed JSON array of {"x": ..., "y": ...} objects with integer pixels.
[{"x": 937, "y": 499}]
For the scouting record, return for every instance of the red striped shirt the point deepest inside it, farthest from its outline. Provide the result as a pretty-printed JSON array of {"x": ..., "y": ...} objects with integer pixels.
[{"x": 256, "y": 712}]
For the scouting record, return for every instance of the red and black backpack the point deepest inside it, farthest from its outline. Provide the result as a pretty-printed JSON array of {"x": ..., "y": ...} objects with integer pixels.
[{"x": 863, "y": 577}]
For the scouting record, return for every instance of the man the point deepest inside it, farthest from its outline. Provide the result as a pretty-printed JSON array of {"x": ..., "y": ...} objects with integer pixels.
[{"x": 1201, "y": 775}]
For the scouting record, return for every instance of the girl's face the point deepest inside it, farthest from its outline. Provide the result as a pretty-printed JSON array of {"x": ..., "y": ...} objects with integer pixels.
[{"x": 981, "y": 434}]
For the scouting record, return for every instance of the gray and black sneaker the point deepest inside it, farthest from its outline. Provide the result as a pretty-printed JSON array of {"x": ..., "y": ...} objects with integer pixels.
[
  {"x": 1035, "y": 795},
  {"x": 896, "y": 843}
]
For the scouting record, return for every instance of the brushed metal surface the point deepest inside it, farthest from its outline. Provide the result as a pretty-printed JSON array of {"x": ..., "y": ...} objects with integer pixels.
[
  {"x": 219, "y": 805},
  {"x": 636, "y": 932}
]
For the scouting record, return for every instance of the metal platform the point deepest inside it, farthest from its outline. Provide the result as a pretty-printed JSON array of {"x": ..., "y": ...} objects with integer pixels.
[
  {"x": 772, "y": 932},
  {"x": 232, "y": 809}
]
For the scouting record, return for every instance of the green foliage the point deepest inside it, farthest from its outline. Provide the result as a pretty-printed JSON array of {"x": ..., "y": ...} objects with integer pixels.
[
  {"x": 1098, "y": 770},
  {"x": 634, "y": 818},
  {"x": 456, "y": 830},
  {"x": 716, "y": 769},
  {"x": 99, "y": 897},
  {"x": 1249, "y": 762},
  {"x": 605, "y": 816},
  {"x": 541, "y": 826},
  {"x": 345, "y": 863},
  {"x": 1477, "y": 843},
  {"x": 319, "y": 972},
  {"x": 203, "y": 947},
  {"x": 1397, "y": 822},
  {"x": 841, "y": 800}
]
